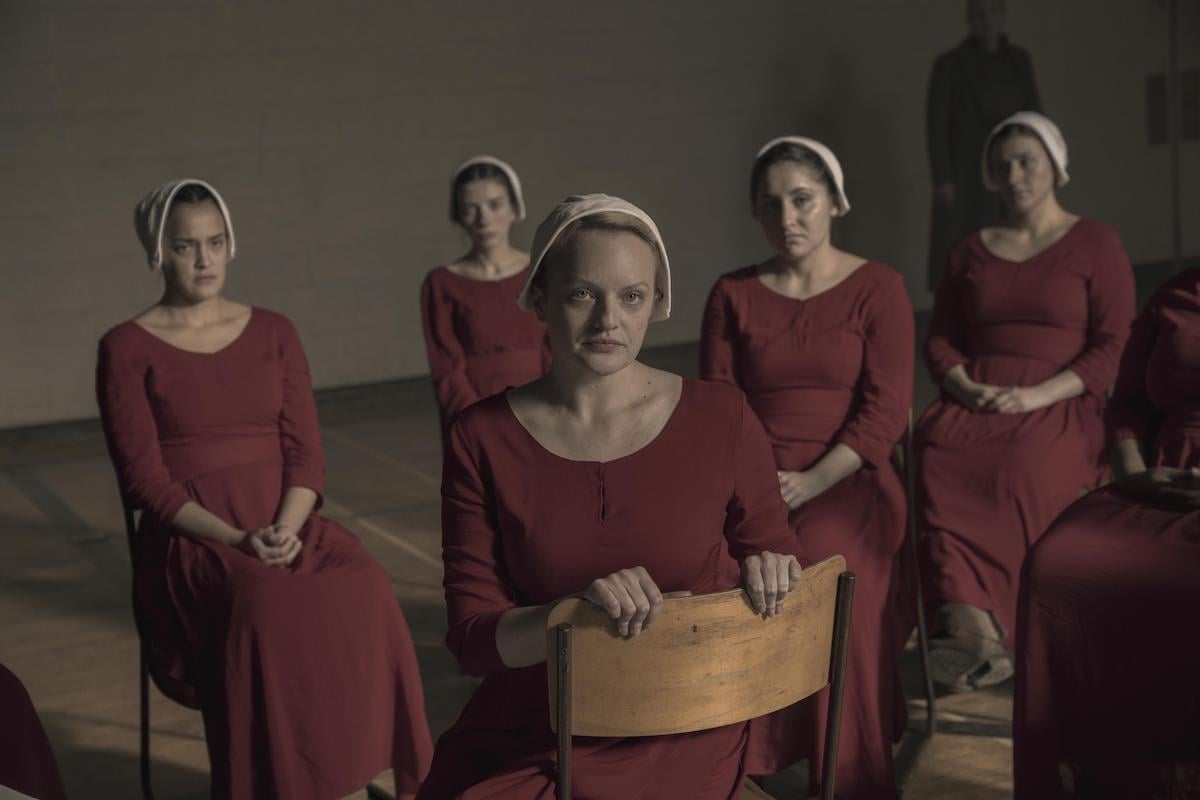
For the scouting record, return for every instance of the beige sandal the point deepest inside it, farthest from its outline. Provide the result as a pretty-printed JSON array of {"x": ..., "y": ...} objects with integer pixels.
[{"x": 968, "y": 652}]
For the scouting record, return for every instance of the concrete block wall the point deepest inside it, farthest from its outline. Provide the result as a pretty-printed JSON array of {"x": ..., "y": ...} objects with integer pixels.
[{"x": 331, "y": 130}]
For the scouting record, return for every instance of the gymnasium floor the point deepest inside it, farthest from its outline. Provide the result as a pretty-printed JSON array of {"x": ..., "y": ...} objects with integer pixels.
[{"x": 66, "y": 628}]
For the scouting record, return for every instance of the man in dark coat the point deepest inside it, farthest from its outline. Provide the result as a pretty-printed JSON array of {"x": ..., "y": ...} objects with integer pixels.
[{"x": 974, "y": 86}]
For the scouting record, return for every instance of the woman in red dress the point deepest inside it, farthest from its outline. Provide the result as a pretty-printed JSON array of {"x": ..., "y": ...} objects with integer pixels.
[
  {"x": 1107, "y": 657},
  {"x": 27, "y": 763},
  {"x": 478, "y": 341},
  {"x": 605, "y": 477},
  {"x": 821, "y": 342},
  {"x": 1027, "y": 329},
  {"x": 269, "y": 618}
]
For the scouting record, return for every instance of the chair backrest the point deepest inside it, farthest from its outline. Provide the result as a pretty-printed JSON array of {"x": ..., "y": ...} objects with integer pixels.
[{"x": 707, "y": 660}]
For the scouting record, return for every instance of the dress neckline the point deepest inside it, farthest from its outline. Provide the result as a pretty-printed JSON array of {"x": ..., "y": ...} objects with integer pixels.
[
  {"x": 684, "y": 388},
  {"x": 245, "y": 327},
  {"x": 518, "y": 274},
  {"x": 756, "y": 270},
  {"x": 1067, "y": 234}
]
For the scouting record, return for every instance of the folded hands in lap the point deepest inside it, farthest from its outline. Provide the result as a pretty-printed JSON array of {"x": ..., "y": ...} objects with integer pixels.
[{"x": 275, "y": 545}]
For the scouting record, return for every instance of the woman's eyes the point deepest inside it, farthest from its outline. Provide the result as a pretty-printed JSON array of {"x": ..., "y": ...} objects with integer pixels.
[{"x": 632, "y": 297}]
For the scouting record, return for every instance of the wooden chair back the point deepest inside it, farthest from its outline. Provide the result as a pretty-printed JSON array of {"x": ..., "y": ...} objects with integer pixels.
[{"x": 707, "y": 660}]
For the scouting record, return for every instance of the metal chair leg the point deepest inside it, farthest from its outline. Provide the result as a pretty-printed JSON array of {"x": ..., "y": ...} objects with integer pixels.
[
  {"x": 144, "y": 697},
  {"x": 837, "y": 676},
  {"x": 562, "y": 644},
  {"x": 910, "y": 489}
]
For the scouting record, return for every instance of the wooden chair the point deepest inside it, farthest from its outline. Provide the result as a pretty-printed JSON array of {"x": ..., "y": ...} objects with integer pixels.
[
  {"x": 707, "y": 661},
  {"x": 373, "y": 791},
  {"x": 906, "y": 465}
]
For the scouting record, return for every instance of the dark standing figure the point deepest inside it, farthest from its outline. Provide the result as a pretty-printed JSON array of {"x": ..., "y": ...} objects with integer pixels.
[
  {"x": 272, "y": 620},
  {"x": 973, "y": 87}
]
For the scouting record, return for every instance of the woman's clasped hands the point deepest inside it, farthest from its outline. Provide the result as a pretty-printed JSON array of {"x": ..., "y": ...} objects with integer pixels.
[{"x": 276, "y": 545}]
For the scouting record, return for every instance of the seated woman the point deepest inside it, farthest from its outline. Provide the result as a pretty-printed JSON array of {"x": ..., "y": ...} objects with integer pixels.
[
  {"x": 1107, "y": 658},
  {"x": 608, "y": 478},
  {"x": 478, "y": 341},
  {"x": 269, "y": 618},
  {"x": 27, "y": 763},
  {"x": 1027, "y": 330},
  {"x": 821, "y": 341}
]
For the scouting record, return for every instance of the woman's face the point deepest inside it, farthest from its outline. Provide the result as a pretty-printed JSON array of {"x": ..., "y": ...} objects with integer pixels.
[
  {"x": 195, "y": 250},
  {"x": 486, "y": 212},
  {"x": 597, "y": 300},
  {"x": 795, "y": 209},
  {"x": 1022, "y": 171}
]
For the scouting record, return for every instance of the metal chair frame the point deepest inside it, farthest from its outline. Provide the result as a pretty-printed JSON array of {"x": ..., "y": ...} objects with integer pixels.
[{"x": 908, "y": 471}]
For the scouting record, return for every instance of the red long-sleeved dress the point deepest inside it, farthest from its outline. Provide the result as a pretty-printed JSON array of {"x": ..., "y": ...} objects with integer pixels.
[
  {"x": 478, "y": 340},
  {"x": 27, "y": 763},
  {"x": 1107, "y": 655},
  {"x": 306, "y": 676},
  {"x": 835, "y": 368},
  {"x": 990, "y": 484},
  {"x": 522, "y": 527}
]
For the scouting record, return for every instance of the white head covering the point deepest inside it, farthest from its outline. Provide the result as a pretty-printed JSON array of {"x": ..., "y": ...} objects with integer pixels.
[
  {"x": 504, "y": 167},
  {"x": 577, "y": 207},
  {"x": 1050, "y": 136},
  {"x": 820, "y": 151},
  {"x": 150, "y": 217}
]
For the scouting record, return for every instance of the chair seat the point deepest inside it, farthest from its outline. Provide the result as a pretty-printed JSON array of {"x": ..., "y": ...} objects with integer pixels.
[{"x": 752, "y": 791}]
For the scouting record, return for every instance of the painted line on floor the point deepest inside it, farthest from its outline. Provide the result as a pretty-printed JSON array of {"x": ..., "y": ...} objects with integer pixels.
[
  {"x": 353, "y": 444},
  {"x": 355, "y": 521},
  {"x": 96, "y": 546}
]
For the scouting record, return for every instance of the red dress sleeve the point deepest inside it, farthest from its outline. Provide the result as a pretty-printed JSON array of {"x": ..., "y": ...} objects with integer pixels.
[
  {"x": 945, "y": 347},
  {"x": 299, "y": 430},
  {"x": 1110, "y": 311},
  {"x": 447, "y": 360},
  {"x": 1130, "y": 414},
  {"x": 717, "y": 338},
  {"x": 756, "y": 518},
  {"x": 886, "y": 383},
  {"x": 477, "y": 584},
  {"x": 132, "y": 435}
]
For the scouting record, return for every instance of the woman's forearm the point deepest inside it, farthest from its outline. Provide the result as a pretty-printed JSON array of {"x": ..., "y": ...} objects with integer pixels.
[
  {"x": 957, "y": 378},
  {"x": 838, "y": 463},
  {"x": 521, "y": 636},
  {"x": 1063, "y": 386},
  {"x": 298, "y": 502},
  {"x": 194, "y": 520},
  {"x": 1127, "y": 458}
]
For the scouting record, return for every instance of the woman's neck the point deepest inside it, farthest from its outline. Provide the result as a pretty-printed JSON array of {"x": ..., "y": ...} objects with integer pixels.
[
  {"x": 192, "y": 314},
  {"x": 1046, "y": 217},
  {"x": 821, "y": 262},
  {"x": 497, "y": 260},
  {"x": 589, "y": 397}
]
